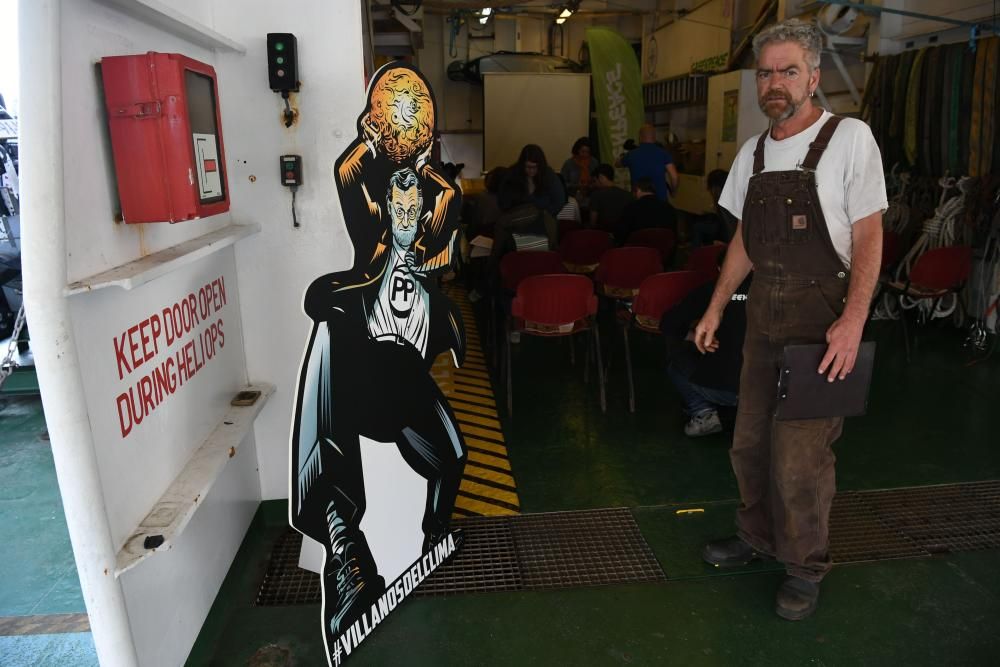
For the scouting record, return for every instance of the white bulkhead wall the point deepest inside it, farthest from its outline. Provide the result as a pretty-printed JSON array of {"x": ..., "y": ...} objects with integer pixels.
[
  {"x": 277, "y": 265},
  {"x": 168, "y": 595}
]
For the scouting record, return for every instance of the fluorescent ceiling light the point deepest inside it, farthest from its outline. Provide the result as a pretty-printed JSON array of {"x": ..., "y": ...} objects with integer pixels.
[
  {"x": 484, "y": 15},
  {"x": 560, "y": 21},
  {"x": 485, "y": 11},
  {"x": 566, "y": 13}
]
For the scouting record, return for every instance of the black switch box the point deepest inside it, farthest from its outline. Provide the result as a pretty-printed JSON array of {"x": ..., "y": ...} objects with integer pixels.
[
  {"x": 282, "y": 62},
  {"x": 291, "y": 170}
]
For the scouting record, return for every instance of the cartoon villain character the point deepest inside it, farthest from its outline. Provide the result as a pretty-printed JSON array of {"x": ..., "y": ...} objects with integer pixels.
[{"x": 377, "y": 330}]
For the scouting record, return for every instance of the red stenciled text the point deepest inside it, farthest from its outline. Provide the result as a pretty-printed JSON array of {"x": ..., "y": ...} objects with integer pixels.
[{"x": 140, "y": 345}]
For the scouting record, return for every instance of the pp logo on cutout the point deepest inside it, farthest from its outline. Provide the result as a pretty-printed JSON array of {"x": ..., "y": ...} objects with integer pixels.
[
  {"x": 401, "y": 291},
  {"x": 799, "y": 222}
]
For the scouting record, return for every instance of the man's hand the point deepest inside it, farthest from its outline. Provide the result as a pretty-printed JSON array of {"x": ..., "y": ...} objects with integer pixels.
[
  {"x": 370, "y": 134},
  {"x": 843, "y": 339},
  {"x": 704, "y": 332},
  {"x": 424, "y": 157}
]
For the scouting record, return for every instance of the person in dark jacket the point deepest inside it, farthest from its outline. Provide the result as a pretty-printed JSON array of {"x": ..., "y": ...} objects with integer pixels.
[
  {"x": 706, "y": 382},
  {"x": 644, "y": 212},
  {"x": 607, "y": 200},
  {"x": 532, "y": 180}
]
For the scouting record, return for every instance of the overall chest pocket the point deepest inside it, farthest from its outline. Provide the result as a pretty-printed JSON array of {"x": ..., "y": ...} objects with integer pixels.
[
  {"x": 797, "y": 222},
  {"x": 788, "y": 210}
]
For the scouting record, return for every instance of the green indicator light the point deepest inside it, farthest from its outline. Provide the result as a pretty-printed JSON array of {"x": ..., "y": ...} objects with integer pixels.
[
  {"x": 279, "y": 46},
  {"x": 279, "y": 60}
]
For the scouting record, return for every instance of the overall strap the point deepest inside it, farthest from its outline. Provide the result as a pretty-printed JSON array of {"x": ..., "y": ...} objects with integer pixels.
[
  {"x": 758, "y": 153},
  {"x": 817, "y": 147}
]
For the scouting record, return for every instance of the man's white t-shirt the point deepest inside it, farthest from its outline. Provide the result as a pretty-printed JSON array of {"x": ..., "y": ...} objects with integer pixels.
[
  {"x": 400, "y": 313},
  {"x": 849, "y": 177}
]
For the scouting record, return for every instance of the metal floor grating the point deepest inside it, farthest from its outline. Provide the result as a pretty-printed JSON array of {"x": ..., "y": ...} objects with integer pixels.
[
  {"x": 927, "y": 519},
  {"x": 285, "y": 582},
  {"x": 596, "y": 547},
  {"x": 504, "y": 553},
  {"x": 487, "y": 560},
  {"x": 588, "y": 548}
]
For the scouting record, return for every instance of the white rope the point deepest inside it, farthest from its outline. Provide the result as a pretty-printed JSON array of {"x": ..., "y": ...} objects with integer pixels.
[
  {"x": 938, "y": 232},
  {"x": 895, "y": 220},
  {"x": 8, "y": 364}
]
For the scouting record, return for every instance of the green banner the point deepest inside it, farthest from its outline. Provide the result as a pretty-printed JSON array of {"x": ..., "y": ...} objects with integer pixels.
[{"x": 617, "y": 91}]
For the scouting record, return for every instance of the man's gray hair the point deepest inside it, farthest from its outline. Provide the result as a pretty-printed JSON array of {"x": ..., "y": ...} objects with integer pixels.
[
  {"x": 798, "y": 32},
  {"x": 404, "y": 179}
]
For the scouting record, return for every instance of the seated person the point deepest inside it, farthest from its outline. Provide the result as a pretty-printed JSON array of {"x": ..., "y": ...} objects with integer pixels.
[
  {"x": 530, "y": 197},
  {"x": 531, "y": 180},
  {"x": 718, "y": 225},
  {"x": 709, "y": 381},
  {"x": 645, "y": 212},
  {"x": 578, "y": 171},
  {"x": 607, "y": 200}
]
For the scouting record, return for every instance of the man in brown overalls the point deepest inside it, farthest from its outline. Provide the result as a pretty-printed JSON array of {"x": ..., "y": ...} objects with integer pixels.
[{"x": 809, "y": 194}]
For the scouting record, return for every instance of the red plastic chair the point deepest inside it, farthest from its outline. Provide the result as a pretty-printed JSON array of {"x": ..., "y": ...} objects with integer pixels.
[
  {"x": 555, "y": 305},
  {"x": 622, "y": 270},
  {"x": 661, "y": 238},
  {"x": 581, "y": 250},
  {"x": 704, "y": 260},
  {"x": 515, "y": 267},
  {"x": 567, "y": 226},
  {"x": 521, "y": 264},
  {"x": 936, "y": 274},
  {"x": 892, "y": 250},
  {"x": 657, "y": 294}
]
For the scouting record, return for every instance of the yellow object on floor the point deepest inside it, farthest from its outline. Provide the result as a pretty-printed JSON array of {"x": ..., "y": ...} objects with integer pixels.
[{"x": 487, "y": 487}]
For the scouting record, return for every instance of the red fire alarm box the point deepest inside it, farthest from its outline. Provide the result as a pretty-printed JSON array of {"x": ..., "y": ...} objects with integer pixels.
[{"x": 166, "y": 135}]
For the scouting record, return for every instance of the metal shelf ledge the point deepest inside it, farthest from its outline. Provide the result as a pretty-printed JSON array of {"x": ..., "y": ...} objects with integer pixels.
[
  {"x": 172, "y": 513},
  {"x": 157, "y": 13},
  {"x": 148, "y": 268}
]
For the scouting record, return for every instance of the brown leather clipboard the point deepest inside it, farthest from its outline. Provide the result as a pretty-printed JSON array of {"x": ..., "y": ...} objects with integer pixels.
[{"x": 805, "y": 394}]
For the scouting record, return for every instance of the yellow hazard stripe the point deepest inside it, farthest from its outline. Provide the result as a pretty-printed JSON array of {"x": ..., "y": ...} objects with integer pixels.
[
  {"x": 478, "y": 420},
  {"x": 473, "y": 382},
  {"x": 474, "y": 473},
  {"x": 487, "y": 433},
  {"x": 462, "y": 406},
  {"x": 487, "y": 446},
  {"x": 469, "y": 398},
  {"x": 482, "y": 508},
  {"x": 484, "y": 491},
  {"x": 487, "y": 486},
  {"x": 462, "y": 372},
  {"x": 486, "y": 459},
  {"x": 465, "y": 389}
]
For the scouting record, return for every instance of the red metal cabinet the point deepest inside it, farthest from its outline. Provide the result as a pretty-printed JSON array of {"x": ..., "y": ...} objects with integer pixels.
[{"x": 166, "y": 136}]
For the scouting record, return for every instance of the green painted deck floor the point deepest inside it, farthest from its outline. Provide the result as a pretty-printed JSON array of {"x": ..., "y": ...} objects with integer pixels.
[
  {"x": 930, "y": 423},
  {"x": 40, "y": 587}
]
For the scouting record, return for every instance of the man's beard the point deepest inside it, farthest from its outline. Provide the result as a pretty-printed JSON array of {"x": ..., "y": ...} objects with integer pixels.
[
  {"x": 789, "y": 110},
  {"x": 403, "y": 237}
]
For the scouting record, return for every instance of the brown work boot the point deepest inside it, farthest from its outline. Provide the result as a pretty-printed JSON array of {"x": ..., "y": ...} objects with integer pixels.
[
  {"x": 729, "y": 552},
  {"x": 797, "y": 599}
]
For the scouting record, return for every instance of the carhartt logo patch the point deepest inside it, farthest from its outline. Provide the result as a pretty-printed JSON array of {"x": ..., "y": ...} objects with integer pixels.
[{"x": 799, "y": 222}]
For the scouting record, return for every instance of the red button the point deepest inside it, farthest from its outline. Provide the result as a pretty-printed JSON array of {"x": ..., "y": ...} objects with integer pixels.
[
  {"x": 280, "y": 72},
  {"x": 290, "y": 175},
  {"x": 210, "y": 165}
]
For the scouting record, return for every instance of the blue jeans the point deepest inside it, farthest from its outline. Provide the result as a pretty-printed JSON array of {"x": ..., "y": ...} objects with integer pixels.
[{"x": 698, "y": 399}]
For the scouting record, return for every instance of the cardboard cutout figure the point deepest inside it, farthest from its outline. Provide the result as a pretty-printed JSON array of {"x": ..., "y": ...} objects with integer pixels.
[{"x": 377, "y": 329}]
